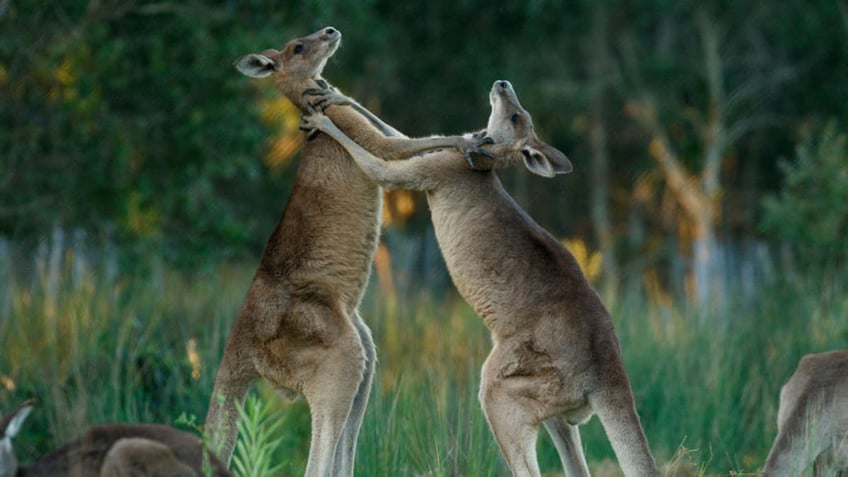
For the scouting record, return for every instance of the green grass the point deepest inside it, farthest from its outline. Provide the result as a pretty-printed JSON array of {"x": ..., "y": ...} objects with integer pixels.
[{"x": 137, "y": 349}]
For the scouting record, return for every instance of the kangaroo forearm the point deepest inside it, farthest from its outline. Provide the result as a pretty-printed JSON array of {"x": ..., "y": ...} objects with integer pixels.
[
  {"x": 361, "y": 129},
  {"x": 326, "y": 97},
  {"x": 394, "y": 148},
  {"x": 389, "y": 174},
  {"x": 375, "y": 121}
]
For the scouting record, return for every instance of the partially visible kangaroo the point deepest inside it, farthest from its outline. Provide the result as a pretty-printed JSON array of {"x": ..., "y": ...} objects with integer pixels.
[
  {"x": 112, "y": 450},
  {"x": 299, "y": 327},
  {"x": 556, "y": 357},
  {"x": 138, "y": 456},
  {"x": 812, "y": 420}
]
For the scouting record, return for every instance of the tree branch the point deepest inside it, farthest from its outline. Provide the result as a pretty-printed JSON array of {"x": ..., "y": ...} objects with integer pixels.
[
  {"x": 744, "y": 126},
  {"x": 679, "y": 181},
  {"x": 757, "y": 84},
  {"x": 713, "y": 132}
]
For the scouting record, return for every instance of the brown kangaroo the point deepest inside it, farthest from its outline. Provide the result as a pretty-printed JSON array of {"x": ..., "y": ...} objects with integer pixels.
[
  {"x": 812, "y": 420},
  {"x": 299, "y": 327},
  {"x": 556, "y": 357},
  {"x": 112, "y": 450}
]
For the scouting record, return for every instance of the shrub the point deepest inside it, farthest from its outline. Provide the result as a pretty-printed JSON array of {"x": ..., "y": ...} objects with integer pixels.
[{"x": 809, "y": 214}]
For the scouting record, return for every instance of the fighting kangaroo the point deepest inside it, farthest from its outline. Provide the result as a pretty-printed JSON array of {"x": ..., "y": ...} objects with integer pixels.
[
  {"x": 112, "y": 450},
  {"x": 812, "y": 420},
  {"x": 556, "y": 358},
  {"x": 299, "y": 327}
]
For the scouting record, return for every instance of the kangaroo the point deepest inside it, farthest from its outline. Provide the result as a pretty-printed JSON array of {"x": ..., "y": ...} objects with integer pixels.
[
  {"x": 299, "y": 327},
  {"x": 556, "y": 357},
  {"x": 112, "y": 450},
  {"x": 135, "y": 456},
  {"x": 812, "y": 420}
]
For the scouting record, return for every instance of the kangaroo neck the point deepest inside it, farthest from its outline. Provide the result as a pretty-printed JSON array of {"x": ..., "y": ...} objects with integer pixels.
[
  {"x": 293, "y": 89},
  {"x": 489, "y": 244}
]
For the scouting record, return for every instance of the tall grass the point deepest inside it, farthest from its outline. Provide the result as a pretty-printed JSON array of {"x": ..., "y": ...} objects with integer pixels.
[
  {"x": 92, "y": 349},
  {"x": 144, "y": 348}
]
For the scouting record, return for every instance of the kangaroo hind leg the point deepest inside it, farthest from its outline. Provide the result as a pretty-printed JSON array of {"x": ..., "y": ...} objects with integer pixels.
[
  {"x": 346, "y": 449},
  {"x": 512, "y": 417},
  {"x": 617, "y": 412},
  {"x": 566, "y": 438}
]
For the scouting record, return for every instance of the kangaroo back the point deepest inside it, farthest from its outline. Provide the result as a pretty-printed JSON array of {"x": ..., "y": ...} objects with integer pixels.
[
  {"x": 812, "y": 419},
  {"x": 113, "y": 450}
]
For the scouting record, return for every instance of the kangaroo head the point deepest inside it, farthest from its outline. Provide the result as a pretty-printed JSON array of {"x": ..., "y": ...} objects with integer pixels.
[
  {"x": 9, "y": 427},
  {"x": 511, "y": 126},
  {"x": 131, "y": 456},
  {"x": 301, "y": 59}
]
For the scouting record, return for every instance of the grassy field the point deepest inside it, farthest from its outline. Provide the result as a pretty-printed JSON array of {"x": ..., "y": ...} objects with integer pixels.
[{"x": 97, "y": 347}]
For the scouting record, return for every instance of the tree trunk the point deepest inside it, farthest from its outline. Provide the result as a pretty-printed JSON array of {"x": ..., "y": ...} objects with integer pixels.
[
  {"x": 707, "y": 266},
  {"x": 599, "y": 67}
]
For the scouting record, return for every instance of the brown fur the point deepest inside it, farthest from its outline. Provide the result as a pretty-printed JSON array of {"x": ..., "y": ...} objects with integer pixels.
[
  {"x": 112, "y": 450},
  {"x": 135, "y": 456},
  {"x": 299, "y": 327},
  {"x": 556, "y": 358},
  {"x": 812, "y": 420}
]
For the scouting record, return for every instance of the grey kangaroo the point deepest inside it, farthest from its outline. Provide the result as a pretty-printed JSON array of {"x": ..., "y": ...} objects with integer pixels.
[
  {"x": 812, "y": 420},
  {"x": 111, "y": 450},
  {"x": 556, "y": 358},
  {"x": 299, "y": 327}
]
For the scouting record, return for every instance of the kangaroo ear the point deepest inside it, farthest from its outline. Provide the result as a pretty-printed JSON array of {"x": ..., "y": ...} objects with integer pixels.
[
  {"x": 16, "y": 419},
  {"x": 546, "y": 161},
  {"x": 255, "y": 65}
]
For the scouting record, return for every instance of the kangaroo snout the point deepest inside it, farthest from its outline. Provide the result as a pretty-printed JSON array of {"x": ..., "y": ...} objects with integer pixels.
[
  {"x": 502, "y": 86},
  {"x": 332, "y": 34},
  {"x": 502, "y": 90}
]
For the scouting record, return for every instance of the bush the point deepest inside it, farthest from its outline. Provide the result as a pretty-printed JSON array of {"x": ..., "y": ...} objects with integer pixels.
[{"x": 809, "y": 213}]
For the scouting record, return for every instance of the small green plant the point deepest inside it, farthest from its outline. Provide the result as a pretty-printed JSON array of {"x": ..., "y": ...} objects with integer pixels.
[
  {"x": 256, "y": 447},
  {"x": 190, "y": 421}
]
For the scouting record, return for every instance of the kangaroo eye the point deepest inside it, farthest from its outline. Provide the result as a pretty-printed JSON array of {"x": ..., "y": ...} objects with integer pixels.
[
  {"x": 514, "y": 118},
  {"x": 298, "y": 49}
]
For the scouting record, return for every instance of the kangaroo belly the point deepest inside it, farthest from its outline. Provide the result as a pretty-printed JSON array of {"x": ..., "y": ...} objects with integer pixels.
[{"x": 328, "y": 235}]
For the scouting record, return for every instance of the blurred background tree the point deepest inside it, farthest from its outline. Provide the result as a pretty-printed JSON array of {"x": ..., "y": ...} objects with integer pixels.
[
  {"x": 125, "y": 120},
  {"x": 806, "y": 214}
]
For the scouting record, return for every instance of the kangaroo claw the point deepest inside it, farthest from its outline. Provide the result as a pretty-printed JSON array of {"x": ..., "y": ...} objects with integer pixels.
[
  {"x": 484, "y": 152},
  {"x": 323, "y": 98},
  {"x": 309, "y": 130},
  {"x": 479, "y": 134},
  {"x": 469, "y": 156},
  {"x": 307, "y": 126},
  {"x": 469, "y": 160},
  {"x": 326, "y": 97}
]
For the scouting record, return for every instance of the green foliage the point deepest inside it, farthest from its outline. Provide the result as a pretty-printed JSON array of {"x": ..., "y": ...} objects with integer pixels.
[
  {"x": 91, "y": 348},
  {"x": 190, "y": 421},
  {"x": 809, "y": 214},
  {"x": 256, "y": 449},
  {"x": 141, "y": 137},
  {"x": 126, "y": 119}
]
